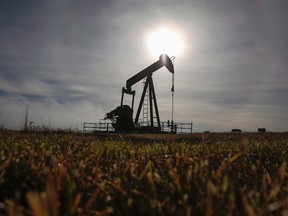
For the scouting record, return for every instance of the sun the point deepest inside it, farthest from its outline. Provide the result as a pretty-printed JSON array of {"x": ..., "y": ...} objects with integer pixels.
[{"x": 164, "y": 40}]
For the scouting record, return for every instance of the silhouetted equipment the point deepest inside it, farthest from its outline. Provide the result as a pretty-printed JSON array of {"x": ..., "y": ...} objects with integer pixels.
[
  {"x": 236, "y": 130},
  {"x": 261, "y": 130},
  {"x": 122, "y": 116}
]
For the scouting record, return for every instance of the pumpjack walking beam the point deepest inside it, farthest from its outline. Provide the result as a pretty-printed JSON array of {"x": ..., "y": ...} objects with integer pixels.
[{"x": 164, "y": 60}]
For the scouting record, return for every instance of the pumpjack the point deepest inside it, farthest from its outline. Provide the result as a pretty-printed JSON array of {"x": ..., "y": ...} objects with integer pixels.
[{"x": 122, "y": 116}]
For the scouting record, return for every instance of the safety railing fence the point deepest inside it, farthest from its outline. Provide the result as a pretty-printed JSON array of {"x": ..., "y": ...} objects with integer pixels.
[
  {"x": 100, "y": 126},
  {"x": 168, "y": 127},
  {"x": 178, "y": 127}
]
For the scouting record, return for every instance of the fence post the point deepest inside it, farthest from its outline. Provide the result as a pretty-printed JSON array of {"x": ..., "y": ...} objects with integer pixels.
[{"x": 191, "y": 127}]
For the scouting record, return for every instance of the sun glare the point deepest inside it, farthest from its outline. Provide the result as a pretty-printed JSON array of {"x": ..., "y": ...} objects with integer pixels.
[{"x": 165, "y": 40}]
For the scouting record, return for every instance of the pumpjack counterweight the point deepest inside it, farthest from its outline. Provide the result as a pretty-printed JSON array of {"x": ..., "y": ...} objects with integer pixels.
[{"x": 122, "y": 116}]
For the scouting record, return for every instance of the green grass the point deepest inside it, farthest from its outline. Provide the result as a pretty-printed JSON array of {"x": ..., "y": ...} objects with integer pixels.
[{"x": 199, "y": 174}]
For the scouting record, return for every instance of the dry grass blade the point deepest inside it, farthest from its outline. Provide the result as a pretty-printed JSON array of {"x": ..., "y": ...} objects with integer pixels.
[
  {"x": 282, "y": 171},
  {"x": 13, "y": 208},
  {"x": 76, "y": 203},
  {"x": 36, "y": 204},
  {"x": 92, "y": 199},
  {"x": 225, "y": 164},
  {"x": 248, "y": 207},
  {"x": 277, "y": 205},
  {"x": 46, "y": 203}
]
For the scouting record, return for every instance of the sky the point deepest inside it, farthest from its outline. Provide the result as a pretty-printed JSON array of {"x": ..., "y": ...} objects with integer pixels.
[{"x": 67, "y": 61}]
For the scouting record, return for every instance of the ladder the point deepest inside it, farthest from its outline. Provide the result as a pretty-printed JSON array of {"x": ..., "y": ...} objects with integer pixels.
[{"x": 145, "y": 107}]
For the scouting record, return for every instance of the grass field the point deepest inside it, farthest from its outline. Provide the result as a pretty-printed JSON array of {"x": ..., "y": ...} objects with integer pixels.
[{"x": 90, "y": 174}]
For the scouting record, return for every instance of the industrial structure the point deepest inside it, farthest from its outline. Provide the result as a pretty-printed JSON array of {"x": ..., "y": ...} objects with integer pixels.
[{"x": 122, "y": 117}]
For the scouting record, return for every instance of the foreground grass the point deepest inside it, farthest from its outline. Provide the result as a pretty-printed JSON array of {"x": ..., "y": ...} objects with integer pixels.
[{"x": 211, "y": 174}]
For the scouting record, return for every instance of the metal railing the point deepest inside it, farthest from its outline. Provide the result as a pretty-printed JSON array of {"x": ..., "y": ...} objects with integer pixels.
[
  {"x": 178, "y": 127},
  {"x": 105, "y": 126},
  {"x": 102, "y": 125}
]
